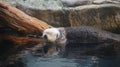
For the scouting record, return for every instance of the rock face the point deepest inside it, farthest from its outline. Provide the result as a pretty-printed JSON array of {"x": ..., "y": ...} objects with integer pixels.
[
  {"x": 71, "y": 3},
  {"x": 103, "y": 14}
]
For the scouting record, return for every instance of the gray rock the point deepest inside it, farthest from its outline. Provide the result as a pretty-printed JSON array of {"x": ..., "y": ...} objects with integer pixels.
[
  {"x": 72, "y": 3},
  {"x": 103, "y": 14},
  {"x": 106, "y": 1}
]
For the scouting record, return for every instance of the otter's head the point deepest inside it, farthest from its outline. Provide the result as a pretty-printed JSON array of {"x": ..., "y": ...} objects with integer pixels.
[{"x": 51, "y": 34}]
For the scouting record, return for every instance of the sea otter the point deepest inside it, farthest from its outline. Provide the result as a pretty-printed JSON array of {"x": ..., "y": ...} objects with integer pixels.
[{"x": 63, "y": 36}]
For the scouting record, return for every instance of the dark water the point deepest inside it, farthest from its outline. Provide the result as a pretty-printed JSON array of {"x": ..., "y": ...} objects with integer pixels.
[
  {"x": 73, "y": 58},
  {"x": 91, "y": 61},
  {"x": 88, "y": 61}
]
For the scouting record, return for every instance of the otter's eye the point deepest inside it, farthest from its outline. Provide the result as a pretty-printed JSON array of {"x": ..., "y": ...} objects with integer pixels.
[
  {"x": 45, "y": 36},
  {"x": 57, "y": 36}
]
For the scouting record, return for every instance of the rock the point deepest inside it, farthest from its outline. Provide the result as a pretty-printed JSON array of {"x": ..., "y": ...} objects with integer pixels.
[
  {"x": 106, "y": 1},
  {"x": 103, "y": 14},
  {"x": 72, "y": 3}
]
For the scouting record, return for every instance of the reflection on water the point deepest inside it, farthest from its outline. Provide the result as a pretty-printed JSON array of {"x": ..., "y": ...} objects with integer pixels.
[
  {"x": 32, "y": 61},
  {"x": 88, "y": 61},
  {"x": 73, "y": 58}
]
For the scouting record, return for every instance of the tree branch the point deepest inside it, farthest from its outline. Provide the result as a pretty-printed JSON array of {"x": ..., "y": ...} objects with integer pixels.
[{"x": 20, "y": 21}]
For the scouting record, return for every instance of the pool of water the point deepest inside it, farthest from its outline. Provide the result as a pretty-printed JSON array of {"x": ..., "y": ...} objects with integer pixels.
[
  {"x": 85, "y": 61},
  {"x": 72, "y": 58}
]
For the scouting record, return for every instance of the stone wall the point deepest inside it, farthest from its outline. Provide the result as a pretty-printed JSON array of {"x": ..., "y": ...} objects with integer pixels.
[{"x": 103, "y": 14}]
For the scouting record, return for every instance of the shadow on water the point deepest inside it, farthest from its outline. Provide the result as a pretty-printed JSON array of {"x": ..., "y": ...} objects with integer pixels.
[{"x": 84, "y": 55}]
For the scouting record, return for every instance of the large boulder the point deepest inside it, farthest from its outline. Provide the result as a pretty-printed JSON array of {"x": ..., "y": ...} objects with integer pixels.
[{"x": 103, "y": 14}]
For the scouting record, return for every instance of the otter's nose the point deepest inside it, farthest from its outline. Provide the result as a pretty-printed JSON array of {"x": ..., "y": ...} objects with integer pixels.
[{"x": 45, "y": 36}]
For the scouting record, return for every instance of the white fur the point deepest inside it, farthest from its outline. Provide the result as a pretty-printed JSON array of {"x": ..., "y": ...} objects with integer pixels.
[{"x": 52, "y": 34}]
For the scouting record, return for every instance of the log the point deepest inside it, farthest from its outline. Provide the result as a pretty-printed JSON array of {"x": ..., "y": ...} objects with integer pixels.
[
  {"x": 17, "y": 40},
  {"x": 20, "y": 21}
]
